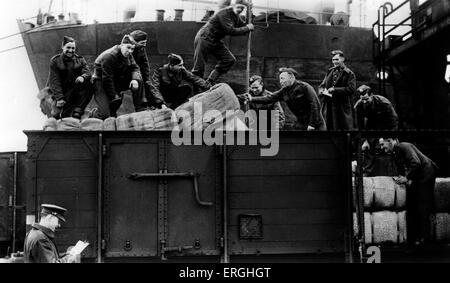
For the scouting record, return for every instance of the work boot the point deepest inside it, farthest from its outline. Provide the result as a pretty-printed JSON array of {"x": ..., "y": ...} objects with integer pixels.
[{"x": 213, "y": 77}]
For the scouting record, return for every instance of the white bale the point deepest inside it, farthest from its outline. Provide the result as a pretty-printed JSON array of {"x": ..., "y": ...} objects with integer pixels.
[
  {"x": 442, "y": 228},
  {"x": 402, "y": 227},
  {"x": 164, "y": 119},
  {"x": 138, "y": 121},
  {"x": 214, "y": 104},
  {"x": 109, "y": 124},
  {"x": 442, "y": 194},
  {"x": 385, "y": 227},
  {"x": 384, "y": 192},
  {"x": 50, "y": 125},
  {"x": 368, "y": 192},
  {"x": 367, "y": 227},
  {"x": 92, "y": 124},
  {"x": 69, "y": 124},
  {"x": 400, "y": 196}
]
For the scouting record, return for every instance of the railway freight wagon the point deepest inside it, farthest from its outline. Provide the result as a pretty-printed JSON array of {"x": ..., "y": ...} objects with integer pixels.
[{"x": 135, "y": 196}]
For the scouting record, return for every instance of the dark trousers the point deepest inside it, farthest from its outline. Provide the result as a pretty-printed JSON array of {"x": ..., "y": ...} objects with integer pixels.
[
  {"x": 77, "y": 98},
  {"x": 106, "y": 108},
  {"x": 420, "y": 204},
  {"x": 202, "y": 49},
  {"x": 174, "y": 96}
]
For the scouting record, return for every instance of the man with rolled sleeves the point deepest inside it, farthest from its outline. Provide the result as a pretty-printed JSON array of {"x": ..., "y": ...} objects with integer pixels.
[
  {"x": 172, "y": 85},
  {"x": 336, "y": 92},
  {"x": 69, "y": 81},
  {"x": 420, "y": 174},
  {"x": 300, "y": 97},
  {"x": 39, "y": 246},
  {"x": 115, "y": 72},
  {"x": 209, "y": 40}
]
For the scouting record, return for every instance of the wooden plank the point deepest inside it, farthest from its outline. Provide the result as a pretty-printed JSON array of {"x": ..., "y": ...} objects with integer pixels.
[
  {"x": 287, "y": 233},
  {"x": 288, "y": 247},
  {"x": 66, "y": 168},
  {"x": 288, "y": 151},
  {"x": 76, "y": 149},
  {"x": 284, "y": 167},
  {"x": 72, "y": 202},
  {"x": 254, "y": 184},
  {"x": 67, "y": 185},
  {"x": 296, "y": 216},
  {"x": 299, "y": 199}
]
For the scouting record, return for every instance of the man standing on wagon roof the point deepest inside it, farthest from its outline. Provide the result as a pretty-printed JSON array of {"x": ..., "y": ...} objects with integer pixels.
[{"x": 209, "y": 40}]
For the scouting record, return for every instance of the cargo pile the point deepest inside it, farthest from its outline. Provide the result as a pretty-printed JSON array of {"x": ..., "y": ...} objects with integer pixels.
[
  {"x": 385, "y": 211},
  {"x": 215, "y": 106}
]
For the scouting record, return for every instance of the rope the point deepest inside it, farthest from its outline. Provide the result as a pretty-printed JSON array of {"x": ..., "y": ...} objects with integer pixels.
[{"x": 6, "y": 50}]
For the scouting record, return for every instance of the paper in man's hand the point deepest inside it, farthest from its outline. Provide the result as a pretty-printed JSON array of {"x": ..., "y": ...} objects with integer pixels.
[
  {"x": 325, "y": 92},
  {"x": 79, "y": 247}
]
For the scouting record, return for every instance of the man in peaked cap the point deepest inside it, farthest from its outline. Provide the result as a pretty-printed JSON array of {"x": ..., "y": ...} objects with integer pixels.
[
  {"x": 172, "y": 84},
  {"x": 39, "y": 246},
  {"x": 300, "y": 97},
  {"x": 209, "y": 40},
  {"x": 336, "y": 94},
  {"x": 69, "y": 81}
]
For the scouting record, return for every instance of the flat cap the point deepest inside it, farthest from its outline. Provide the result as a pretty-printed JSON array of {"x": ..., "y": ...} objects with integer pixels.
[
  {"x": 289, "y": 71},
  {"x": 54, "y": 210},
  {"x": 175, "y": 59},
  {"x": 364, "y": 89},
  {"x": 337, "y": 52}
]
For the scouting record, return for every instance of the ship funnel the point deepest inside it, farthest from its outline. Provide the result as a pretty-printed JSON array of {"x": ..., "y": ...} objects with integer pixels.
[
  {"x": 160, "y": 15},
  {"x": 129, "y": 13},
  {"x": 178, "y": 15}
]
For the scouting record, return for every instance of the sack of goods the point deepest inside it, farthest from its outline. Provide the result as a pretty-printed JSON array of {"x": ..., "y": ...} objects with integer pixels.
[
  {"x": 211, "y": 105},
  {"x": 164, "y": 119},
  {"x": 92, "y": 124},
  {"x": 109, "y": 124},
  {"x": 138, "y": 121},
  {"x": 69, "y": 124},
  {"x": 50, "y": 125},
  {"x": 232, "y": 122}
]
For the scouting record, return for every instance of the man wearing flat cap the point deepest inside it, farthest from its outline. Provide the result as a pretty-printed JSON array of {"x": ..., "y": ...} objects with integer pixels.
[
  {"x": 209, "y": 40},
  {"x": 39, "y": 246},
  {"x": 336, "y": 93},
  {"x": 172, "y": 84},
  {"x": 115, "y": 72},
  {"x": 69, "y": 81},
  {"x": 300, "y": 97}
]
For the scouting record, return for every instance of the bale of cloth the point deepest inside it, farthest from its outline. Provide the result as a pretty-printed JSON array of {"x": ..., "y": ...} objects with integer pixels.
[
  {"x": 109, "y": 124},
  {"x": 51, "y": 124},
  {"x": 212, "y": 105},
  {"x": 138, "y": 121},
  {"x": 164, "y": 119},
  {"x": 92, "y": 124},
  {"x": 442, "y": 195},
  {"x": 69, "y": 124}
]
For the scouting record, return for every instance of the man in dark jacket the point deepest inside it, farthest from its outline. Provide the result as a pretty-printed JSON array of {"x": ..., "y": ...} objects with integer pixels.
[
  {"x": 375, "y": 112},
  {"x": 116, "y": 71},
  {"x": 336, "y": 91},
  {"x": 420, "y": 174},
  {"x": 39, "y": 246},
  {"x": 172, "y": 84},
  {"x": 141, "y": 58},
  {"x": 257, "y": 89},
  {"x": 69, "y": 81},
  {"x": 209, "y": 40},
  {"x": 301, "y": 99}
]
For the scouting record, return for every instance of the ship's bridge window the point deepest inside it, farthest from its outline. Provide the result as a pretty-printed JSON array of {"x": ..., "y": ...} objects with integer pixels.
[{"x": 447, "y": 70}]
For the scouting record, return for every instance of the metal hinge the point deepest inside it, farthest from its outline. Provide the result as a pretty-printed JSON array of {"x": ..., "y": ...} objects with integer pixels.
[
  {"x": 104, "y": 150},
  {"x": 103, "y": 244}
]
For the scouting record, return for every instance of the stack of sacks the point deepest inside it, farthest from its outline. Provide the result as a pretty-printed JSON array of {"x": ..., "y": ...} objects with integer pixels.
[
  {"x": 164, "y": 119},
  {"x": 92, "y": 124},
  {"x": 214, "y": 104},
  {"x": 50, "y": 125},
  {"x": 138, "y": 121},
  {"x": 68, "y": 124},
  {"x": 109, "y": 124},
  {"x": 384, "y": 206},
  {"x": 441, "y": 217}
]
